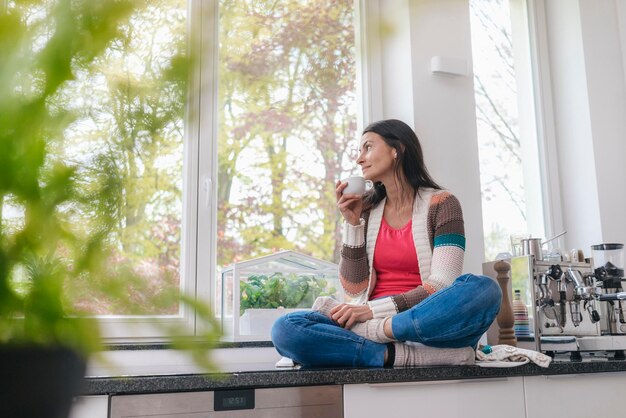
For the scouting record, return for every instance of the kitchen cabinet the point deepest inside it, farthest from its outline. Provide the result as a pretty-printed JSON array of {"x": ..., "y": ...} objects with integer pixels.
[
  {"x": 287, "y": 402},
  {"x": 575, "y": 395},
  {"x": 484, "y": 398},
  {"x": 90, "y": 407}
]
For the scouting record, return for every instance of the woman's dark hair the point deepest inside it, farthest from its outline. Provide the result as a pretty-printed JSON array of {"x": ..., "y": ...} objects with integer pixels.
[{"x": 410, "y": 160}]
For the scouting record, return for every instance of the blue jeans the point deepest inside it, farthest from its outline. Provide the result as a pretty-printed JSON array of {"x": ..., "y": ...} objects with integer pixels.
[{"x": 454, "y": 317}]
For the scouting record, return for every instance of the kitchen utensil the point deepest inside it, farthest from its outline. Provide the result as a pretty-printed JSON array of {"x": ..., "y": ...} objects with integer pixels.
[
  {"x": 560, "y": 234},
  {"x": 532, "y": 246}
]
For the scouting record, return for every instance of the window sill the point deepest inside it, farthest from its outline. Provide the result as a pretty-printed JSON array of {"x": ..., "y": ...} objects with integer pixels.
[{"x": 159, "y": 359}]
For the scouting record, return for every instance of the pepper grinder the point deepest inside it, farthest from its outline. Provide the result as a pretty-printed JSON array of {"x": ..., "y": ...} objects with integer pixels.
[{"x": 505, "y": 318}]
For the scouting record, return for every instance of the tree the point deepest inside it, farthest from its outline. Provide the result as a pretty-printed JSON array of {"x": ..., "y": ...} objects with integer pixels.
[
  {"x": 130, "y": 125},
  {"x": 287, "y": 80}
]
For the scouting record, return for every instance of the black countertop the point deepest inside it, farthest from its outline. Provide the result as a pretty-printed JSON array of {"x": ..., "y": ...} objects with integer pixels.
[{"x": 267, "y": 375}]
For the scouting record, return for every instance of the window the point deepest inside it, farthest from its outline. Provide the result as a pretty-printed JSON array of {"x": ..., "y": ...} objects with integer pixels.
[
  {"x": 127, "y": 136},
  {"x": 508, "y": 151},
  {"x": 287, "y": 123},
  {"x": 243, "y": 166}
]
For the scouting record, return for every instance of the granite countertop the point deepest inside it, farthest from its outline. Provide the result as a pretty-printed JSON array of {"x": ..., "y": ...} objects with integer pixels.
[{"x": 267, "y": 375}]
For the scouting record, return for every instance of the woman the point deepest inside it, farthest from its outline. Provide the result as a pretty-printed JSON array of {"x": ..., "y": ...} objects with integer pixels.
[{"x": 401, "y": 262}]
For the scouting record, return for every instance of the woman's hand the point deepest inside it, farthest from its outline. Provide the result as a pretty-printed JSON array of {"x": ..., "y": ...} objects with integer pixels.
[
  {"x": 347, "y": 315},
  {"x": 350, "y": 205}
]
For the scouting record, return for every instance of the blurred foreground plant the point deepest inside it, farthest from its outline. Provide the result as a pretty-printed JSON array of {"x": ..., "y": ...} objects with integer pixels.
[{"x": 55, "y": 231}]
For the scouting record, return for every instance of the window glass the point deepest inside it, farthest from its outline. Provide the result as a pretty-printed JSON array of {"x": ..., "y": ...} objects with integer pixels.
[
  {"x": 132, "y": 124},
  {"x": 287, "y": 122},
  {"x": 127, "y": 135},
  {"x": 511, "y": 194},
  {"x": 286, "y": 129}
]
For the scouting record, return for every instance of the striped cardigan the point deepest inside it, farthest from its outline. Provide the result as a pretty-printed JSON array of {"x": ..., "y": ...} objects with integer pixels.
[{"x": 439, "y": 237}]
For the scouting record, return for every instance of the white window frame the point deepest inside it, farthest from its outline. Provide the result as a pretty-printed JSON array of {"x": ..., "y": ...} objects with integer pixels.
[
  {"x": 207, "y": 153},
  {"x": 544, "y": 114},
  {"x": 368, "y": 62},
  {"x": 528, "y": 118}
]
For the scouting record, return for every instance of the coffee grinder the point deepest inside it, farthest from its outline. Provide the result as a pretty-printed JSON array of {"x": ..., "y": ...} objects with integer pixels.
[{"x": 608, "y": 269}]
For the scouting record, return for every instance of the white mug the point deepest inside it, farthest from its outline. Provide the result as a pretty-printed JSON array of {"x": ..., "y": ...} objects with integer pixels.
[{"x": 357, "y": 185}]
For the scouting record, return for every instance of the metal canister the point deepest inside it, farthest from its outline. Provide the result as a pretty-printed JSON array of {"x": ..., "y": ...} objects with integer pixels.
[{"x": 532, "y": 246}]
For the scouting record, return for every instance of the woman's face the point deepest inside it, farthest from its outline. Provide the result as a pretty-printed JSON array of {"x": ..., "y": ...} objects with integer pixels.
[{"x": 376, "y": 158}]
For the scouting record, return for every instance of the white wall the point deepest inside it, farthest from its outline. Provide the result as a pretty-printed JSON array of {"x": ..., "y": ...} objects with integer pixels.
[
  {"x": 589, "y": 101},
  {"x": 440, "y": 107},
  {"x": 607, "y": 106},
  {"x": 445, "y": 112},
  {"x": 572, "y": 125},
  {"x": 397, "y": 82}
]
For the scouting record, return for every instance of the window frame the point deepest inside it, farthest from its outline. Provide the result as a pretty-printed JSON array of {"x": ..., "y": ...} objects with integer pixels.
[
  {"x": 368, "y": 62},
  {"x": 544, "y": 114}
]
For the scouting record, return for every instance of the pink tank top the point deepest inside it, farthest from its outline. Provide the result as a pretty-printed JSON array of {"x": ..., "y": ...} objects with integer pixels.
[{"x": 395, "y": 261}]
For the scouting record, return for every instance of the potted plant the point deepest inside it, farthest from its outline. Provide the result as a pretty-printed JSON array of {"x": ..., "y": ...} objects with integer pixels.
[
  {"x": 264, "y": 298},
  {"x": 60, "y": 235}
]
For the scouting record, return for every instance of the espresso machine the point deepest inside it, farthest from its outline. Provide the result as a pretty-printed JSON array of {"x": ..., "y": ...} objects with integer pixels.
[
  {"x": 576, "y": 306},
  {"x": 563, "y": 299}
]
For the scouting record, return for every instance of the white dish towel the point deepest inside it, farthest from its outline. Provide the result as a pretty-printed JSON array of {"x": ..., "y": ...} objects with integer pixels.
[{"x": 503, "y": 355}]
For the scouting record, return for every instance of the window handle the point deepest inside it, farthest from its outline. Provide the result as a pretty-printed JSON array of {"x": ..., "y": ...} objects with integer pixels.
[{"x": 207, "y": 183}]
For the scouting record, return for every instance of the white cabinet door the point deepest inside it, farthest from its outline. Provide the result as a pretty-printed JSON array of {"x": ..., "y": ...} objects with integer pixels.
[
  {"x": 479, "y": 398},
  {"x": 90, "y": 407},
  {"x": 575, "y": 395}
]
